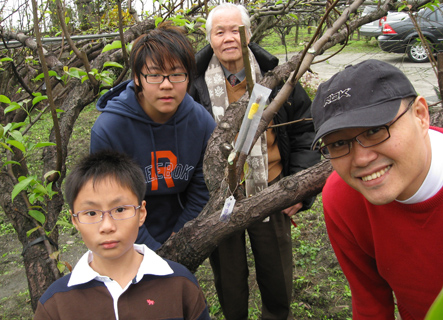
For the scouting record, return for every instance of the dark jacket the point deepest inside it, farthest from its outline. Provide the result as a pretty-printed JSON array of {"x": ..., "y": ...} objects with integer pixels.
[
  {"x": 175, "y": 296},
  {"x": 294, "y": 141},
  {"x": 174, "y": 150}
]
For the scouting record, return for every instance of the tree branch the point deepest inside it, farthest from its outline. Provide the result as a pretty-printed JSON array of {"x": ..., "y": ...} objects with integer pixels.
[
  {"x": 81, "y": 55},
  {"x": 58, "y": 166}
]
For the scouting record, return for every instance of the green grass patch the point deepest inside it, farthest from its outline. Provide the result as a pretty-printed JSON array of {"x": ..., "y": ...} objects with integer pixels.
[{"x": 296, "y": 43}]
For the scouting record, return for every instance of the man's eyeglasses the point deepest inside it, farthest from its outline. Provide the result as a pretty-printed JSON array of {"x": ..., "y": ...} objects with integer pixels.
[
  {"x": 159, "y": 78},
  {"x": 95, "y": 216},
  {"x": 366, "y": 139}
]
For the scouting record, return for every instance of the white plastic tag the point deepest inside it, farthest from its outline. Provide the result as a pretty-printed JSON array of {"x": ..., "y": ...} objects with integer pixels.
[{"x": 227, "y": 209}]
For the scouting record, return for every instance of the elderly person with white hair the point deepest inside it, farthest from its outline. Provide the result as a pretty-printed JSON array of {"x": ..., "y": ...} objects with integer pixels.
[{"x": 279, "y": 152}]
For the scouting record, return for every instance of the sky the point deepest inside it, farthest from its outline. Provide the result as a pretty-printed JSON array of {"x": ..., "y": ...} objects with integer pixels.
[{"x": 7, "y": 7}]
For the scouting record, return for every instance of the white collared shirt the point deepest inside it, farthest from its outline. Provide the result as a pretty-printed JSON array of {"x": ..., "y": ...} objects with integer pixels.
[{"x": 151, "y": 264}]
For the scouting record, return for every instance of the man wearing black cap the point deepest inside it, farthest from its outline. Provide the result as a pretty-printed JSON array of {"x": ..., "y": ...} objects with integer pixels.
[{"x": 383, "y": 203}]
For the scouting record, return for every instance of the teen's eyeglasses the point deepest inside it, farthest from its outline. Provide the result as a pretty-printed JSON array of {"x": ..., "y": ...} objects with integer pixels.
[
  {"x": 95, "y": 216},
  {"x": 159, "y": 78},
  {"x": 368, "y": 138}
]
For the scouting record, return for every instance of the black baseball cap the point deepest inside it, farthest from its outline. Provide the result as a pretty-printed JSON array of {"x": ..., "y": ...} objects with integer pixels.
[{"x": 367, "y": 94}]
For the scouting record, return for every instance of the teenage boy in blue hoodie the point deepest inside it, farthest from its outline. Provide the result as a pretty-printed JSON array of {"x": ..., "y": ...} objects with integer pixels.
[{"x": 152, "y": 119}]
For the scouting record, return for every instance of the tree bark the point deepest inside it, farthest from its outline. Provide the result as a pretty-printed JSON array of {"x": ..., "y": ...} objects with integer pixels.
[{"x": 199, "y": 237}]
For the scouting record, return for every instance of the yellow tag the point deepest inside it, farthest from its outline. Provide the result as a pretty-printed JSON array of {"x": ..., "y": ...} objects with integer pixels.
[{"x": 253, "y": 110}]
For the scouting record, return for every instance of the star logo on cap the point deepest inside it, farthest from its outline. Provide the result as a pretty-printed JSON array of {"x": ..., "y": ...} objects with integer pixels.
[{"x": 337, "y": 96}]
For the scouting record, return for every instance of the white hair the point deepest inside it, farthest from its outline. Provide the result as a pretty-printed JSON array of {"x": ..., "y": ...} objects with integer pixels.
[{"x": 243, "y": 12}]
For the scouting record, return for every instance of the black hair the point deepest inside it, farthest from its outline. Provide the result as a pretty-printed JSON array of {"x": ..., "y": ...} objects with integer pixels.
[
  {"x": 165, "y": 45},
  {"x": 101, "y": 165}
]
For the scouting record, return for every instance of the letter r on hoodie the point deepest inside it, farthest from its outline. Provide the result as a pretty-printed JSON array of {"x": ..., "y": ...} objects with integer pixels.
[{"x": 163, "y": 171}]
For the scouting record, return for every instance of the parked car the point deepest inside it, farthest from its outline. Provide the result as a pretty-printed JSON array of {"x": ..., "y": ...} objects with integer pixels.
[
  {"x": 374, "y": 28},
  {"x": 402, "y": 37},
  {"x": 371, "y": 29}
]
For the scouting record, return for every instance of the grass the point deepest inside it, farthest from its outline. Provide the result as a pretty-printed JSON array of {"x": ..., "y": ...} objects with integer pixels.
[{"x": 273, "y": 44}]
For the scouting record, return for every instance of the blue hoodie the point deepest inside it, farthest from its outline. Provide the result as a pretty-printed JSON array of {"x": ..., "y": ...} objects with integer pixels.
[{"x": 169, "y": 154}]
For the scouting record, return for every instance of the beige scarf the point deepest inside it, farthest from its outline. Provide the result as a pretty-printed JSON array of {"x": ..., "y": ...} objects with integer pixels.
[{"x": 256, "y": 177}]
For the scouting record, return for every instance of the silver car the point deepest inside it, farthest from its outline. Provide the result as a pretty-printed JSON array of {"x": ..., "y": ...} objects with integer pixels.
[{"x": 374, "y": 28}]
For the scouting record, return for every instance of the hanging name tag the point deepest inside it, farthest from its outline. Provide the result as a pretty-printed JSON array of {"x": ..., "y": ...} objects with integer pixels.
[{"x": 227, "y": 209}]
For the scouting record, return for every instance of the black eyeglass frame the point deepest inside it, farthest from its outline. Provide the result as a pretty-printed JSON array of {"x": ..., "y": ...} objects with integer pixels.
[
  {"x": 164, "y": 77},
  {"x": 326, "y": 155},
  {"x": 76, "y": 215}
]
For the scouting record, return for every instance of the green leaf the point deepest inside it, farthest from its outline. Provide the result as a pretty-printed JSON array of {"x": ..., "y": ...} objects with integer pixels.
[
  {"x": 6, "y": 59},
  {"x": 64, "y": 224},
  {"x": 158, "y": 20},
  {"x": 40, "y": 189},
  {"x": 28, "y": 233},
  {"x": 40, "y": 76},
  {"x": 19, "y": 187},
  {"x": 11, "y": 162},
  {"x": 436, "y": 310},
  {"x": 2, "y": 130},
  {"x": 61, "y": 267},
  {"x": 38, "y": 99},
  {"x": 51, "y": 73},
  {"x": 109, "y": 81},
  {"x": 117, "y": 44},
  {"x": 4, "y": 99},
  {"x": 13, "y": 106},
  {"x": 17, "y": 144},
  {"x": 201, "y": 19},
  {"x": 76, "y": 72},
  {"x": 37, "y": 215},
  {"x": 6, "y": 146},
  {"x": 129, "y": 47},
  {"x": 33, "y": 197},
  {"x": 112, "y": 64},
  {"x": 47, "y": 174},
  {"x": 17, "y": 135},
  {"x": 45, "y": 144},
  {"x": 16, "y": 125},
  {"x": 59, "y": 110}
]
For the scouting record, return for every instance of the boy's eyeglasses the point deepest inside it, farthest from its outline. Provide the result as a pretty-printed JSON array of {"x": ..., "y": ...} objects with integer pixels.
[
  {"x": 159, "y": 78},
  {"x": 366, "y": 139},
  {"x": 95, "y": 216}
]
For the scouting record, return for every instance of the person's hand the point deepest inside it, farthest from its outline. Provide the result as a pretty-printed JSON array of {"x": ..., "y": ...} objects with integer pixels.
[{"x": 292, "y": 210}]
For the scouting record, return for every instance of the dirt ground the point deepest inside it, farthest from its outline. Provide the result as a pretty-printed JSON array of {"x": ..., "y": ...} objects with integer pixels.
[{"x": 14, "y": 294}]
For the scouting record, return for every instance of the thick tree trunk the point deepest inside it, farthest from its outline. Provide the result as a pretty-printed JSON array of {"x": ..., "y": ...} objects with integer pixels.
[
  {"x": 41, "y": 270},
  {"x": 199, "y": 237}
]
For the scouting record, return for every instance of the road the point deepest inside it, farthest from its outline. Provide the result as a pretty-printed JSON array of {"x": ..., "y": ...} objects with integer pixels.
[{"x": 421, "y": 75}]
